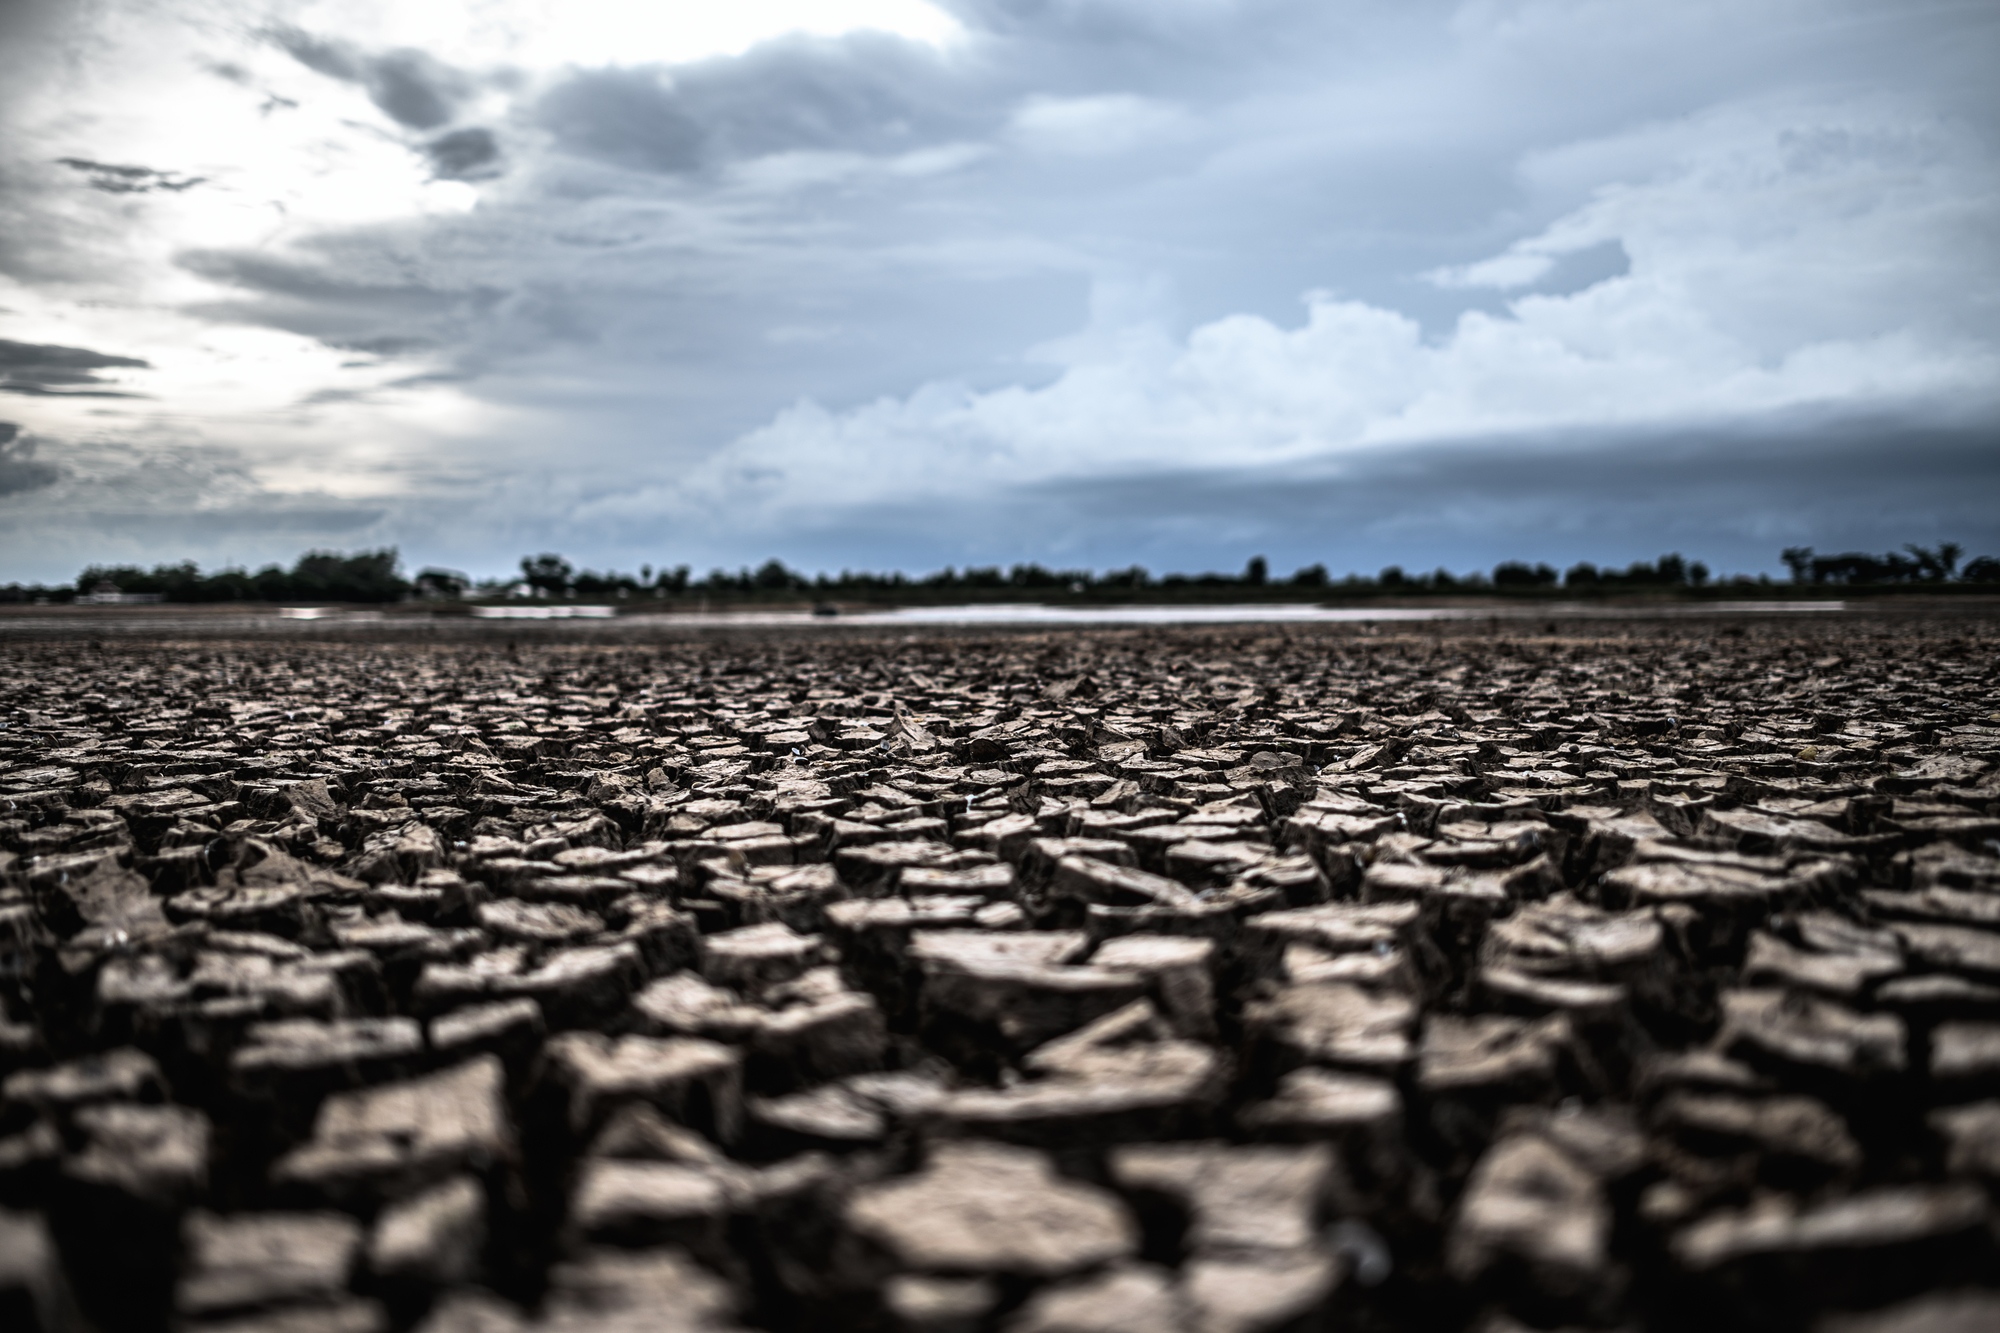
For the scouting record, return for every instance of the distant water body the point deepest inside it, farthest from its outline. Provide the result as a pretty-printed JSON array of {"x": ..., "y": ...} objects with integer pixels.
[
  {"x": 1022, "y": 613},
  {"x": 1016, "y": 613},
  {"x": 208, "y": 622}
]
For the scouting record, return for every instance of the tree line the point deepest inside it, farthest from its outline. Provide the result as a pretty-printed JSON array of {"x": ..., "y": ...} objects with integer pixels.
[
  {"x": 1913, "y": 564},
  {"x": 376, "y": 577}
]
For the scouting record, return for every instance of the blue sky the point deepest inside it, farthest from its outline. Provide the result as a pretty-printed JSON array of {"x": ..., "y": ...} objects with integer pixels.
[{"x": 907, "y": 284}]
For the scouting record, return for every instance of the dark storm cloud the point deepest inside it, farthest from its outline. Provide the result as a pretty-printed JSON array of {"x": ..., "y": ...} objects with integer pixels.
[
  {"x": 1733, "y": 497},
  {"x": 1732, "y": 494},
  {"x": 47, "y": 369},
  {"x": 20, "y": 470},
  {"x": 147, "y": 492},
  {"x": 336, "y": 60},
  {"x": 115, "y": 179},
  {"x": 623, "y": 117},
  {"x": 388, "y": 346},
  {"x": 464, "y": 155},
  {"x": 413, "y": 88},
  {"x": 340, "y": 299},
  {"x": 862, "y": 93}
]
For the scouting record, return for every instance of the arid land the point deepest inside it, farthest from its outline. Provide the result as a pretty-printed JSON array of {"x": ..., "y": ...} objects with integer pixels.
[{"x": 1623, "y": 972}]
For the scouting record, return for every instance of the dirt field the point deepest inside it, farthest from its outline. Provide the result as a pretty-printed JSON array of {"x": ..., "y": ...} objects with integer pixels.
[{"x": 1593, "y": 974}]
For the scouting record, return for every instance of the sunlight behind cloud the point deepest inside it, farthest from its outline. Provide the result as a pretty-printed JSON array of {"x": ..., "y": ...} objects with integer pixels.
[{"x": 541, "y": 34}]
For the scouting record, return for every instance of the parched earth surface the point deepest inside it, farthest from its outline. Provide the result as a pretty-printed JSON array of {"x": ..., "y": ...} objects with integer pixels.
[{"x": 1634, "y": 976}]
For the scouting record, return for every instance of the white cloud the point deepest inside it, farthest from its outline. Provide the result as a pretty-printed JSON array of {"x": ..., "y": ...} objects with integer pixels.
[
  {"x": 1766, "y": 277},
  {"x": 1519, "y": 267},
  {"x": 1089, "y": 126}
]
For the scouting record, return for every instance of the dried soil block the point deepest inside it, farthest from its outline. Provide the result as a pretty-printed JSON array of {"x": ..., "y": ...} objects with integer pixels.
[
  {"x": 254, "y": 1261},
  {"x": 153, "y": 1155},
  {"x": 697, "y": 1082},
  {"x": 1532, "y": 1219},
  {"x": 1237, "y": 1198},
  {"x": 1007, "y": 992},
  {"x": 1122, "y": 1076},
  {"x": 1361, "y": 1116},
  {"x": 1182, "y": 973},
  {"x": 1814, "y": 1038},
  {"x": 1335, "y": 1024},
  {"x": 755, "y": 957},
  {"x": 34, "y": 1293},
  {"x": 1134, "y": 1298},
  {"x": 1884, "y": 1241},
  {"x": 981, "y": 1208},
  {"x": 433, "y": 1239},
  {"x": 392, "y": 1140}
]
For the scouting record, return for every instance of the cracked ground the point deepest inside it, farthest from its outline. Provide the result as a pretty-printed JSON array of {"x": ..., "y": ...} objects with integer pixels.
[{"x": 1598, "y": 975}]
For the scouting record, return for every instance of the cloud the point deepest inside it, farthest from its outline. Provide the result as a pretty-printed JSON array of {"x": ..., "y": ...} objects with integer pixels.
[
  {"x": 863, "y": 93},
  {"x": 1155, "y": 254},
  {"x": 411, "y": 87},
  {"x": 342, "y": 298},
  {"x": 1743, "y": 291},
  {"x": 1089, "y": 126},
  {"x": 128, "y": 180},
  {"x": 148, "y": 493},
  {"x": 626, "y": 118},
  {"x": 1734, "y": 494},
  {"x": 464, "y": 155},
  {"x": 19, "y": 469},
  {"x": 71, "y": 372}
]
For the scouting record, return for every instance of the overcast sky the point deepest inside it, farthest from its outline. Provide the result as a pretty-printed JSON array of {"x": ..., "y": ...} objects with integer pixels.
[{"x": 907, "y": 283}]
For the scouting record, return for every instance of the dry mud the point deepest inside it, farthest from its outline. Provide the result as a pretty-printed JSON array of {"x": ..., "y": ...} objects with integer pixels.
[{"x": 1231, "y": 980}]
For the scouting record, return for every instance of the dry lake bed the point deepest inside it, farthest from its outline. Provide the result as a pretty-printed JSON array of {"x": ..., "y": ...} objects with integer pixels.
[{"x": 1560, "y": 971}]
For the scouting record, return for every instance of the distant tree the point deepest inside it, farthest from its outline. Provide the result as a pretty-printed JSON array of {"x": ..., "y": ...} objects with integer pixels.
[
  {"x": 125, "y": 578},
  {"x": 1312, "y": 576},
  {"x": 1034, "y": 576},
  {"x": 1583, "y": 574},
  {"x": 1257, "y": 572},
  {"x": 1515, "y": 574},
  {"x": 1859, "y": 567},
  {"x": 365, "y": 576},
  {"x": 435, "y": 582},
  {"x": 272, "y": 583},
  {"x": 1921, "y": 565},
  {"x": 590, "y": 583},
  {"x": 772, "y": 576},
  {"x": 1392, "y": 577},
  {"x": 547, "y": 573},
  {"x": 1935, "y": 566},
  {"x": 1985, "y": 569}
]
